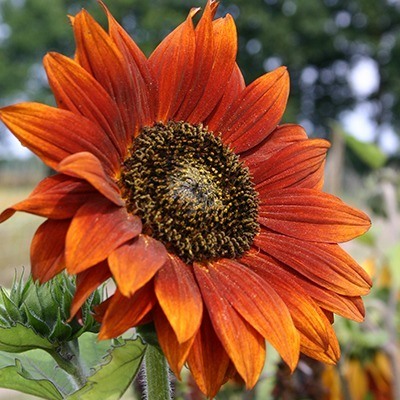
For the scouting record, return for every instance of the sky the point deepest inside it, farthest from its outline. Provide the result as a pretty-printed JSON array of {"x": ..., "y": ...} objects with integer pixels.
[{"x": 364, "y": 80}]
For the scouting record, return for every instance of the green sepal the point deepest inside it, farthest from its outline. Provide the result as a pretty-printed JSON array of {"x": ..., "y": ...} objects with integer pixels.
[
  {"x": 9, "y": 310},
  {"x": 45, "y": 308},
  {"x": 61, "y": 331}
]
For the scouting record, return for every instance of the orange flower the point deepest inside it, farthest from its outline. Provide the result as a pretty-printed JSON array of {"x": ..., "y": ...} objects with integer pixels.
[{"x": 174, "y": 178}]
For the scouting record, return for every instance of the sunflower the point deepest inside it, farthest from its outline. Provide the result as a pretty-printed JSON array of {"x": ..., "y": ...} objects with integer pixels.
[{"x": 174, "y": 178}]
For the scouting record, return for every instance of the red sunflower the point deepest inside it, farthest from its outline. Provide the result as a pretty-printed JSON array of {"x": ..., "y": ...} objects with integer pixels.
[{"x": 174, "y": 178}]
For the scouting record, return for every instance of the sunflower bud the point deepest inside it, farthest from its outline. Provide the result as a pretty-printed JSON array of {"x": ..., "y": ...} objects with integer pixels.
[{"x": 45, "y": 309}]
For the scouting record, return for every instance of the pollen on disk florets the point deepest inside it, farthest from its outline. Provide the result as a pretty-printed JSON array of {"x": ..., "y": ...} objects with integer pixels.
[{"x": 191, "y": 192}]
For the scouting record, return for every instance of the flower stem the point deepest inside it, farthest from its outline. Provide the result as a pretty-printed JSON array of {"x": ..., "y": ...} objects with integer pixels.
[
  {"x": 67, "y": 357},
  {"x": 156, "y": 374}
]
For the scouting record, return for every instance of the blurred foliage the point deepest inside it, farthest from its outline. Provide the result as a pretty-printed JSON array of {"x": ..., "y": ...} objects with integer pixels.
[{"x": 319, "y": 41}]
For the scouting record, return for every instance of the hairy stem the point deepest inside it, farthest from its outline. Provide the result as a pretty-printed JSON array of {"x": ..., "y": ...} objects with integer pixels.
[
  {"x": 67, "y": 357},
  {"x": 156, "y": 374}
]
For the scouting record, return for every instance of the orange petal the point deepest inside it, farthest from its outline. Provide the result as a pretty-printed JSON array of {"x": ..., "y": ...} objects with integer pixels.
[
  {"x": 97, "y": 229},
  {"x": 298, "y": 164},
  {"x": 126, "y": 312},
  {"x": 259, "y": 304},
  {"x": 179, "y": 298},
  {"x": 203, "y": 60},
  {"x": 308, "y": 319},
  {"x": 346, "y": 306},
  {"x": 281, "y": 137},
  {"x": 317, "y": 337},
  {"x": 53, "y": 134},
  {"x": 86, "y": 283},
  {"x": 172, "y": 63},
  {"x": 175, "y": 352},
  {"x": 56, "y": 197},
  {"x": 256, "y": 113},
  {"x": 323, "y": 263},
  {"x": 215, "y": 55},
  {"x": 135, "y": 262},
  {"x": 244, "y": 345},
  {"x": 311, "y": 215},
  {"x": 208, "y": 360},
  {"x": 100, "y": 310},
  {"x": 47, "y": 249},
  {"x": 86, "y": 166},
  {"x": 100, "y": 56},
  {"x": 328, "y": 355},
  {"x": 234, "y": 88},
  {"x": 139, "y": 69},
  {"x": 224, "y": 38},
  {"x": 76, "y": 90}
]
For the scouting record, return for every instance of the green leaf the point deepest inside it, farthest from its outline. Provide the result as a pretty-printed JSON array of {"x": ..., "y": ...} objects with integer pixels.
[
  {"x": 116, "y": 372},
  {"x": 108, "y": 371},
  {"x": 20, "y": 338},
  {"x": 35, "y": 373},
  {"x": 92, "y": 351}
]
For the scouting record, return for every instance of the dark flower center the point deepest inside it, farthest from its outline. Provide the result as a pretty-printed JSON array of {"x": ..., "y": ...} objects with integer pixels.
[{"x": 191, "y": 192}]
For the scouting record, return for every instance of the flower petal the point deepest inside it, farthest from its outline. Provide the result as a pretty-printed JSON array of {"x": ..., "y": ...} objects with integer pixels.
[
  {"x": 86, "y": 283},
  {"x": 298, "y": 164},
  {"x": 208, "y": 360},
  {"x": 172, "y": 63},
  {"x": 323, "y": 263},
  {"x": 256, "y": 112},
  {"x": 124, "y": 313},
  {"x": 53, "y": 134},
  {"x": 234, "y": 88},
  {"x": 281, "y": 137},
  {"x": 330, "y": 355},
  {"x": 244, "y": 345},
  {"x": 312, "y": 215},
  {"x": 98, "y": 228},
  {"x": 179, "y": 298},
  {"x": 56, "y": 197},
  {"x": 47, "y": 249},
  {"x": 259, "y": 304},
  {"x": 86, "y": 166},
  {"x": 327, "y": 299},
  {"x": 100, "y": 56},
  {"x": 175, "y": 352},
  {"x": 135, "y": 262},
  {"x": 308, "y": 319},
  {"x": 76, "y": 90},
  {"x": 203, "y": 61},
  {"x": 138, "y": 67},
  {"x": 216, "y": 48}
]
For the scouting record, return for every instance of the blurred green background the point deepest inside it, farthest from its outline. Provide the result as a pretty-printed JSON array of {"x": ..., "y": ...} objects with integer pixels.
[{"x": 343, "y": 58}]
